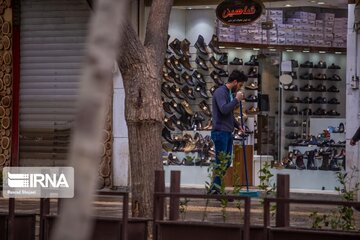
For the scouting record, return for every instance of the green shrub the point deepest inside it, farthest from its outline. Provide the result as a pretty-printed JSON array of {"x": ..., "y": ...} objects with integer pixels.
[{"x": 343, "y": 217}]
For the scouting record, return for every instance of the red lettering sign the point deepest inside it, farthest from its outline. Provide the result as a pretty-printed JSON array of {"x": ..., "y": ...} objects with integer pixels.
[{"x": 239, "y": 12}]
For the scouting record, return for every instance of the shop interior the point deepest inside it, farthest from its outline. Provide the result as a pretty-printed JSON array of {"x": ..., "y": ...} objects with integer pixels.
[{"x": 295, "y": 96}]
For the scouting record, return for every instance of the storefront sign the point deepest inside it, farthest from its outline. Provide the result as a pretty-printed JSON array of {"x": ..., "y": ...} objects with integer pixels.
[{"x": 237, "y": 12}]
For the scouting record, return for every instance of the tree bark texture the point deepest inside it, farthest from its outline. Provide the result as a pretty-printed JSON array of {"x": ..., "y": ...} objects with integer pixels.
[
  {"x": 148, "y": 138},
  {"x": 141, "y": 68},
  {"x": 75, "y": 220}
]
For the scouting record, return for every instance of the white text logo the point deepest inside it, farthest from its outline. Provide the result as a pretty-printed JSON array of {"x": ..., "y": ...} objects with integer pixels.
[
  {"x": 38, "y": 182},
  {"x": 17, "y": 180}
]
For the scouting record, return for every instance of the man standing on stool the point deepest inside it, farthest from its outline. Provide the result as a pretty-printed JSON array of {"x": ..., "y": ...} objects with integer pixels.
[{"x": 224, "y": 103}]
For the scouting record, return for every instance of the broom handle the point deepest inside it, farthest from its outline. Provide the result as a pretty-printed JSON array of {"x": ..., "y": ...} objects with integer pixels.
[{"x": 244, "y": 148}]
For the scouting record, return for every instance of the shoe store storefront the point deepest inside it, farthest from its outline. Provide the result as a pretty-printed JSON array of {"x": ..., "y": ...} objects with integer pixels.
[{"x": 295, "y": 96}]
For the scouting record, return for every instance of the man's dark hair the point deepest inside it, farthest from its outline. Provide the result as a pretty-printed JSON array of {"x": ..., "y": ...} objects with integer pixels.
[{"x": 238, "y": 76}]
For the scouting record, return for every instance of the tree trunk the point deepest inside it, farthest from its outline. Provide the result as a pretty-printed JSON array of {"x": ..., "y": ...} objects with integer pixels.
[
  {"x": 144, "y": 141},
  {"x": 75, "y": 218},
  {"x": 141, "y": 68},
  {"x": 144, "y": 116}
]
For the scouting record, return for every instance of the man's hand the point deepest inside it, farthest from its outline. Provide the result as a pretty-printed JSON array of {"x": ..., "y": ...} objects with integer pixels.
[
  {"x": 352, "y": 142},
  {"x": 239, "y": 96}
]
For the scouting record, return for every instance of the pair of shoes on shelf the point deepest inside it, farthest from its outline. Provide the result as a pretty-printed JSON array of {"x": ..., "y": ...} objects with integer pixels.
[
  {"x": 307, "y": 76},
  {"x": 321, "y": 64},
  {"x": 291, "y": 87},
  {"x": 201, "y": 90},
  {"x": 320, "y": 112},
  {"x": 216, "y": 77},
  {"x": 307, "y": 88},
  {"x": 213, "y": 44},
  {"x": 292, "y": 123},
  {"x": 333, "y": 66},
  {"x": 172, "y": 77},
  {"x": 252, "y": 110},
  {"x": 237, "y": 61},
  {"x": 333, "y": 89},
  {"x": 252, "y": 86},
  {"x": 253, "y": 61},
  {"x": 340, "y": 128},
  {"x": 321, "y": 76},
  {"x": 175, "y": 92},
  {"x": 320, "y": 100},
  {"x": 335, "y": 77},
  {"x": 293, "y": 99},
  {"x": 306, "y": 112},
  {"x": 291, "y": 111},
  {"x": 179, "y": 123},
  {"x": 178, "y": 64},
  {"x": 307, "y": 64},
  {"x": 180, "y": 48},
  {"x": 251, "y": 98},
  {"x": 201, "y": 62}
]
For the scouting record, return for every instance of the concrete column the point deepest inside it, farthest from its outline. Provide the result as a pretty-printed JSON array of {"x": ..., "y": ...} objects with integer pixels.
[
  {"x": 352, "y": 95},
  {"x": 121, "y": 161},
  {"x": 120, "y": 134}
]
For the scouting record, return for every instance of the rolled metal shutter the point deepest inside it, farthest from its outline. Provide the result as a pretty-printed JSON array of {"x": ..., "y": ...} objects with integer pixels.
[{"x": 52, "y": 43}]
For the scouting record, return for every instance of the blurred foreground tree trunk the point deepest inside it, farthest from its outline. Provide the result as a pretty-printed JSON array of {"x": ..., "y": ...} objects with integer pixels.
[
  {"x": 104, "y": 38},
  {"x": 111, "y": 35},
  {"x": 141, "y": 68}
]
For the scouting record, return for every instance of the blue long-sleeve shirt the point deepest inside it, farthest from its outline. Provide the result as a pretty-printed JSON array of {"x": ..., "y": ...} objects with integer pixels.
[{"x": 223, "y": 110}]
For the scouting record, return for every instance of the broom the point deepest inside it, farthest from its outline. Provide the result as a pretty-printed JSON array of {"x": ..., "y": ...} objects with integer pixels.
[{"x": 246, "y": 193}]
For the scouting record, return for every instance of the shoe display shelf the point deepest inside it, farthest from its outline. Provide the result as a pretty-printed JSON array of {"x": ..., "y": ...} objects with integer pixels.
[
  {"x": 245, "y": 60},
  {"x": 191, "y": 74},
  {"x": 190, "y": 24},
  {"x": 317, "y": 90},
  {"x": 202, "y": 153},
  {"x": 325, "y": 148},
  {"x": 314, "y": 161},
  {"x": 310, "y": 171},
  {"x": 335, "y": 161}
]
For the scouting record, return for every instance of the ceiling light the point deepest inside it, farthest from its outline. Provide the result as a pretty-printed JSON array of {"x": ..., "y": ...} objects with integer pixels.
[
  {"x": 189, "y": 8},
  {"x": 289, "y": 50},
  {"x": 288, "y": 5},
  {"x": 221, "y": 47},
  {"x": 272, "y": 49},
  {"x": 306, "y": 51},
  {"x": 338, "y": 52},
  {"x": 238, "y": 48},
  {"x": 207, "y": 7},
  {"x": 256, "y": 49},
  {"x": 321, "y": 3},
  {"x": 322, "y": 52}
]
